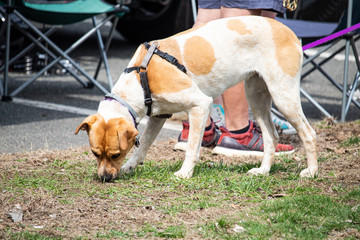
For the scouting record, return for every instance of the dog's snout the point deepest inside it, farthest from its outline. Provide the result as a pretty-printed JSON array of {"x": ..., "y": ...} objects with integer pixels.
[{"x": 106, "y": 178}]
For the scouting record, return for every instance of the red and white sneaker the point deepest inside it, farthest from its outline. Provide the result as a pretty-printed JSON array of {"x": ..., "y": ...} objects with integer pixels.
[
  {"x": 209, "y": 139},
  {"x": 246, "y": 144}
]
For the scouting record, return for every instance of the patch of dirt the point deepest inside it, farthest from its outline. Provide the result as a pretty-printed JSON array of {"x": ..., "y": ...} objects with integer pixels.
[{"x": 339, "y": 167}]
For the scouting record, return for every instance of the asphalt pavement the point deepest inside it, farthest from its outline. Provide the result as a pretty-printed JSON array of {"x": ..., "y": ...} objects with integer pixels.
[{"x": 46, "y": 113}]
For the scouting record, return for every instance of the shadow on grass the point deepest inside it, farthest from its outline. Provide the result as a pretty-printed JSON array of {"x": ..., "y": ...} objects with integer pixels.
[{"x": 152, "y": 168}]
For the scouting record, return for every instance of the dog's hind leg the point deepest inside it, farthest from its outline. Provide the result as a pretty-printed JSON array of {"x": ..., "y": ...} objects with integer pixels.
[
  {"x": 152, "y": 129},
  {"x": 289, "y": 104},
  {"x": 198, "y": 115},
  {"x": 259, "y": 99}
]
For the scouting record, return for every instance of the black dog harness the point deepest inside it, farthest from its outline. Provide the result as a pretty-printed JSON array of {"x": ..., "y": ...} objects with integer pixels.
[{"x": 142, "y": 70}]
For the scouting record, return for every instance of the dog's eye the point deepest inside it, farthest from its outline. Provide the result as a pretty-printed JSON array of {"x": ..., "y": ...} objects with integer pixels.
[
  {"x": 115, "y": 156},
  {"x": 96, "y": 154}
]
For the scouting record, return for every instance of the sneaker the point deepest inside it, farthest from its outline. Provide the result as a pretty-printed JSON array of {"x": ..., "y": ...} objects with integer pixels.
[
  {"x": 209, "y": 139},
  {"x": 278, "y": 120},
  {"x": 218, "y": 115},
  {"x": 246, "y": 144}
]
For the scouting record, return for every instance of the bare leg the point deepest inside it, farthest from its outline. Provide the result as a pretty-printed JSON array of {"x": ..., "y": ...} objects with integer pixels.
[
  {"x": 206, "y": 15},
  {"x": 236, "y": 106}
]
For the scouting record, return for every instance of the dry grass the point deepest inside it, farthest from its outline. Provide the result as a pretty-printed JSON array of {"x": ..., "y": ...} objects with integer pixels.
[{"x": 61, "y": 197}]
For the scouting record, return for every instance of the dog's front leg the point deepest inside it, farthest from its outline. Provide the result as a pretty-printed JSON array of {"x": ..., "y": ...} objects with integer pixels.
[
  {"x": 197, "y": 118},
  {"x": 152, "y": 129}
]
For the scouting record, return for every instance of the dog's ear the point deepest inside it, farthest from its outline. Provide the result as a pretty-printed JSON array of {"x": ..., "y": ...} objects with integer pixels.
[
  {"x": 127, "y": 134},
  {"x": 86, "y": 124}
]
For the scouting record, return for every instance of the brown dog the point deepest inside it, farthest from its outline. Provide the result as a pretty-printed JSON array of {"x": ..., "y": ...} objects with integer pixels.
[{"x": 262, "y": 52}]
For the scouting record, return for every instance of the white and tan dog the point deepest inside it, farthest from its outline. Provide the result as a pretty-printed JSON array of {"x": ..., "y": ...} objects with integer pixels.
[{"x": 260, "y": 51}]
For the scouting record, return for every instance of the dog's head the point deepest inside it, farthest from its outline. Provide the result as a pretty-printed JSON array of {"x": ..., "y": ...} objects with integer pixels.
[{"x": 110, "y": 142}]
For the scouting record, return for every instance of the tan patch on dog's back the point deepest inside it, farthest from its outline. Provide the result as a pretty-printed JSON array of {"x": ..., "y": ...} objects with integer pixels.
[
  {"x": 199, "y": 55},
  {"x": 286, "y": 48},
  {"x": 163, "y": 76},
  {"x": 238, "y": 26},
  {"x": 168, "y": 45},
  {"x": 166, "y": 78},
  {"x": 171, "y": 46}
]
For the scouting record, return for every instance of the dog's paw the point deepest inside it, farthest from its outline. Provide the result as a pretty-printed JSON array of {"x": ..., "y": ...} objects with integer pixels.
[
  {"x": 127, "y": 168},
  {"x": 258, "y": 171},
  {"x": 309, "y": 173},
  {"x": 183, "y": 174}
]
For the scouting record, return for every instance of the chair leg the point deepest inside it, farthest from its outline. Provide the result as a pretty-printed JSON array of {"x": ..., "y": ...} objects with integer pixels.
[
  {"x": 28, "y": 48},
  {"x": 345, "y": 81},
  {"x": 315, "y": 103},
  {"x": 352, "y": 91},
  {"x": 45, "y": 49},
  {"x": 52, "y": 55},
  {"x": 103, "y": 54},
  {"x": 356, "y": 79},
  {"x": 5, "y": 96},
  {"x": 2, "y": 33},
  {"x": 194, "y": 9},
  {"x": 107, "y": 45},
  {"x": 311, "y": 60},
  {"x": 336, "y": 84},
  {"x": 63, "y": 54}
]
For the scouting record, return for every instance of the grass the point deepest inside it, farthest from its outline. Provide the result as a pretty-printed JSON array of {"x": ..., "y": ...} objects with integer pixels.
[
  {"x": 26, "y": 235},
  {"x": 218, "y": 198},
  {"x": 298, "y": 217},
  {"x": 351, "y": 141},
  {"x": 305, "y": 217}
]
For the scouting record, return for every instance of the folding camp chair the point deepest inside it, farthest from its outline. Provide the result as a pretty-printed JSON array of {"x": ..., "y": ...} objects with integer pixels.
[
  {"x": 17, "y": 14},
  {"x": 308, "y": 31}
]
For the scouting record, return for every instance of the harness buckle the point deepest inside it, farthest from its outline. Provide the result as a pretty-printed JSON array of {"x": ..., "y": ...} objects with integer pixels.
[
  {"x": 148, "y": 101},
  {"x": 170, "y": 58}
]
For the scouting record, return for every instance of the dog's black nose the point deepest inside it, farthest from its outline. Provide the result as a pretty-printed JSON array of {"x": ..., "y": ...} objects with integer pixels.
[{"x": 106, "y": 178}]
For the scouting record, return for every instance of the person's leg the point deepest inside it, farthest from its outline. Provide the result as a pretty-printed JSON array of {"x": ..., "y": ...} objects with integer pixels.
[
  {"x": 236, "y": 12},
  {"x": 206, "y": 15},
  {"x": 241, "y": 134},
  {"x": 268, "y": 14},
  {"x": 236, "y": 106}
]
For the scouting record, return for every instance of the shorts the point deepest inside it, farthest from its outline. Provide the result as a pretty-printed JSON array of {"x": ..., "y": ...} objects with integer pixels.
[{"x": 271, "y": 5}]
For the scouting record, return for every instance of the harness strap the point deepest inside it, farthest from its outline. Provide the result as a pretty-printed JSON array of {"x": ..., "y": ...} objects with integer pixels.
[
  {"x": 147, "y": 93},
  {"x": 130, "y": 69},
  {"x": 144, "y": 79},
  {"x": 152, "y": 49},
  {"x": 171, "y": 59},
  {"x": 125, "y": 104},
  {"x": 129, "y": 108}
]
